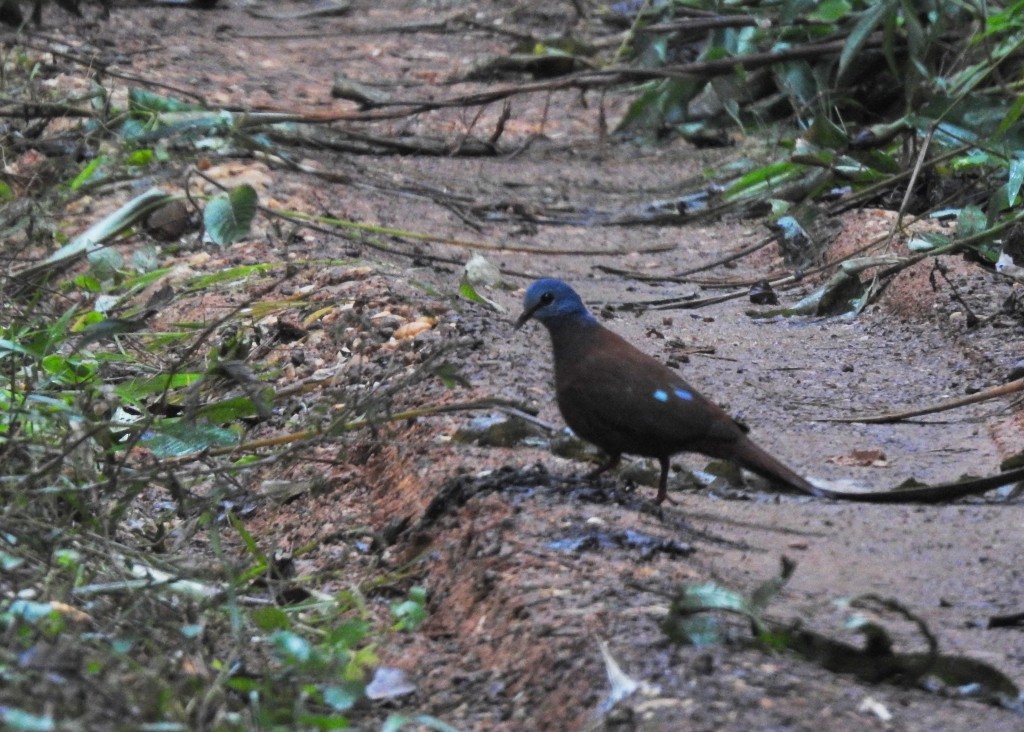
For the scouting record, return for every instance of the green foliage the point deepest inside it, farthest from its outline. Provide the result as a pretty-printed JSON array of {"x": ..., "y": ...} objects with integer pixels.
[
  {"x": 228, "y": 216},
  {"x": 410, "y": 613},
  {"x": 71, "y": 467},
  {"x": 849, "y": 87},
  {"x": 129, "y": 613},
  {"x": 688, "y": 620},
  {"x": 90, "y": 173}
]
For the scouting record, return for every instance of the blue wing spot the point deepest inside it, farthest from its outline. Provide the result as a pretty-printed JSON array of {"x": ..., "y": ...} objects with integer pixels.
[
  {"x": 661, "y": 395},
  {"x": 683, "y": 394}
]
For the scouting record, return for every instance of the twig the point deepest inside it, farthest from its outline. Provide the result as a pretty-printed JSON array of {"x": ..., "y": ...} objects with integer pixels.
[
  {"x": 996, "y": 391},
  {"x": 684, "y": 275}
]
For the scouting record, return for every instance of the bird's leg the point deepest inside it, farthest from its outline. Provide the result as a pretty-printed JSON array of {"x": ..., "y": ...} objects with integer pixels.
[
  {"x": 663, "y": 482},
  {"x": 613, "y": 461}
]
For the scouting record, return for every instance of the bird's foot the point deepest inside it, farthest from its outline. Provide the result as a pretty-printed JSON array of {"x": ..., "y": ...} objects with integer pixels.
[{"x": 664, "y": 498}]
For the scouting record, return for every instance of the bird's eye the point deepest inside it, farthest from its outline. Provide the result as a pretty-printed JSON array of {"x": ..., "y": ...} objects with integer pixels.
[{"x": 547, "y": 298}]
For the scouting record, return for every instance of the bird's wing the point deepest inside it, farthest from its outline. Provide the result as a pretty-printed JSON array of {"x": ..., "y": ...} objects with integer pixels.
[{"x": 629, "y": 396}]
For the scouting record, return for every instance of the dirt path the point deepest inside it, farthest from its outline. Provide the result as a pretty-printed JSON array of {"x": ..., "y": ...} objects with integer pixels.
[{"x": 517, "y": 613}]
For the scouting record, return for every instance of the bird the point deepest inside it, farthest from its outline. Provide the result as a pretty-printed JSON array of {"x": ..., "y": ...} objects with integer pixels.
[{"x": 622, "y": 400}]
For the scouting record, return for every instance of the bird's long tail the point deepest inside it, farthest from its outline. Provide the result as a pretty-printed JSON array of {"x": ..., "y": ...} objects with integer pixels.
[{"x": 753, "y": 458}]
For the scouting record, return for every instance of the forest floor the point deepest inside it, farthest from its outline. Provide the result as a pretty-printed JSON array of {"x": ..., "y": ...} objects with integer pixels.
[{"x": 528, "y": 571}]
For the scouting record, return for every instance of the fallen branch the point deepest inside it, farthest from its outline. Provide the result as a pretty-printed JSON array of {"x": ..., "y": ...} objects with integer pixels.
[{"x": 996, "y": 391}]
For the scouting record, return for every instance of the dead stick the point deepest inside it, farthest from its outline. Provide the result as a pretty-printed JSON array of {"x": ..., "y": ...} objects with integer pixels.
[{"x": 996, "y": 391}]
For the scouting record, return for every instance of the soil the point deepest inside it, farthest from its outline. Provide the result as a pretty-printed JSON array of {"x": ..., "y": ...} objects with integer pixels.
[{"x": 518, "y": 603}]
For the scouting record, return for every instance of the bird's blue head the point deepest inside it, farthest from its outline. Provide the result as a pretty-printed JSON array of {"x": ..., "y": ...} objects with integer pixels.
[{"x": 552, "y": 301}]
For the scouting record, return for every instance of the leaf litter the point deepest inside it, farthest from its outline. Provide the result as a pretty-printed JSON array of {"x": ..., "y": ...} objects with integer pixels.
[{"x": 511, "y": 622}]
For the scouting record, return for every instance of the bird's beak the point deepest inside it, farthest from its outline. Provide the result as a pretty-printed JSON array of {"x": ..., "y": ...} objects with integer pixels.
[{"x": 527, "y": 314}]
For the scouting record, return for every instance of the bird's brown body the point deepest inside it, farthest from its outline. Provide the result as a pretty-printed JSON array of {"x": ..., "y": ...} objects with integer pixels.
[{"x": 626, "y": 402}]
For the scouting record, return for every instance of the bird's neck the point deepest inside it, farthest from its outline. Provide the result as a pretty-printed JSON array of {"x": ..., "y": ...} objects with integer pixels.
[{"x": 569, "y": 332}]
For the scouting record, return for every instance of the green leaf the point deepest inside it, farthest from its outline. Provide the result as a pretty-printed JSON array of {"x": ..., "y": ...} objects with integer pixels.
[
  {"x": 1014, "y": 179},
  {"x": 243, "y": 684},
  {"x": 829, "y": 11},
  {"x": 765, "y": 179},
  {"x": 450, "y": 375},
  {"x": 9, "y": 347},
  {"x": 230, "y": 410},
  {"x": 927, "y": 241},
  {"x": 292, "y": 647},
  {"x": 247, "y": 538},
  {"x": 308, "y": 720},
  {"x": 663, "y": 103},
  {"x": 89, "y": 172},
  {"x": 913, "y": 30},
  {"x": 146, "y": 102},
  {"x": 270, "y": 618},
  {"x": 349, "y": 633},
  {"x": 140, "y": 157},
  {"x": 411, "y": 613},
  {"x": 227, "y": 275},
  {"x": 93, "y": 238},
  {"x": 1012, "y": 115},
  {"x": 174, "y": 438},
  {"x": 469, "y": 292},
  {"x": 340, "y": 698},
  {"x": 868, "y": 23},
  {"x": 1005, "y": 196},
  {"x": 135, "y": 390},
  {"x": 68, "y": 371},
  {"x": 228, "y": 216},
  {"x": 105, "y": 263},
  {"x": 970, "y": 221}
]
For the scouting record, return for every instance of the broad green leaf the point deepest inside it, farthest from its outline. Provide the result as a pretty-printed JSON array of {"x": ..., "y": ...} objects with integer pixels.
[
  {"x": 793, "y": 10},
  {"x": 67, "y": 371},
  {"x": 664, "y": 103},
  {"x": 135, "y": 390},
  {"x": 177, "y": 438},
  {"x": 228, "y": 216},
  {"x": 914, "y": 31},
  {"x": 349, "y": 633}
]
